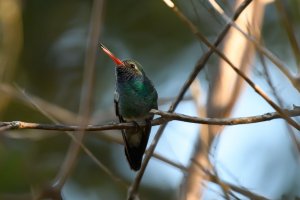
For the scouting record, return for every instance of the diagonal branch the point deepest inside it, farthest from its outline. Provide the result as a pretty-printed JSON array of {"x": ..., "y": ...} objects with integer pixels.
[
  {"x": 238, "y": 189},
  {"x": 51, "y": 191},
  {"x": 213, "y": 178},
  {"x": 257, "y": 89},
  {"x": 290, "y": 131},
  {"x": 295, "y": 80},
  {"x": 86, "y": 97}
]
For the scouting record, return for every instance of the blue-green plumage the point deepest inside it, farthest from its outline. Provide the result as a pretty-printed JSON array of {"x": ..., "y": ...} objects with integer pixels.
[
  {"x": 136, "y": 92},
  {"x": 135, "y": 96}
]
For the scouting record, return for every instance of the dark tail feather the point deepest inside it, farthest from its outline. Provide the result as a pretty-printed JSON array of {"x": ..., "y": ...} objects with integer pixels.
[
  {"x": 134, "y": 154},
  {"x": 134, "y": 157}
]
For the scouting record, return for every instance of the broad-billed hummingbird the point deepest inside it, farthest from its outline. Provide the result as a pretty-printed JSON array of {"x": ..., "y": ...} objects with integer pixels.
[{"x": 134, "y": 97}]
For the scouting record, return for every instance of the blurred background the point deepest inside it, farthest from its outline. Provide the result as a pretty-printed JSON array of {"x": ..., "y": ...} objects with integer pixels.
[{"x": 43, "y": 47}]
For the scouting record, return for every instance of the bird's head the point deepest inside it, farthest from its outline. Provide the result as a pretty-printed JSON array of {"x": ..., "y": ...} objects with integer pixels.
[{"x": 127, "y": 68}]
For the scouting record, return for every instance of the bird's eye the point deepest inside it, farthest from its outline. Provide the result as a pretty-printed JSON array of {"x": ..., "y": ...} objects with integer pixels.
[{"x": 132, "y": 65}]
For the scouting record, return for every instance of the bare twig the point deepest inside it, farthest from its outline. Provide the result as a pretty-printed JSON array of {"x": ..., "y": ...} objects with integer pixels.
[
  {"x": 225, "y": 188},
  {"x": 170, "y": 162},
  {"x": 17, "y": 93},
  {"x": 191, "y": 184},
  {"x": 238, "y": 189},
  {"x": 52, "y": 191},
  {"x": 228, "y": 121},
  {"x": 295, "y": 80},
  {"x": 86, "y": 95},
  {"x": 280, "y": 102},
  {"x": 165, "y": 117},
  {"x": 226, "y": 84},
  {"x": 240, "y": 73}
]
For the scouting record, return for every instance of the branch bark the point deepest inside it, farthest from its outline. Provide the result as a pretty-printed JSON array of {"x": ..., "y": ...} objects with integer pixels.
[{"x": 165, "y": 117}]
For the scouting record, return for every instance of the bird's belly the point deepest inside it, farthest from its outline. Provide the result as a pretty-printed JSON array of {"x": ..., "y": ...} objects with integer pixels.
[{"x": 134, "y": 138}]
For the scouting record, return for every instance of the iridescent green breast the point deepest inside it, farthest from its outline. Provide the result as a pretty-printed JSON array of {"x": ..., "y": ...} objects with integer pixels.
[{"x": 136, "y": 98}]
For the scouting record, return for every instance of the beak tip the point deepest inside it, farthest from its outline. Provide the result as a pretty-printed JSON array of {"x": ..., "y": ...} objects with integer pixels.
[
  {"x": 102, "y": 46},
  {"x": 114, "y": 58}
]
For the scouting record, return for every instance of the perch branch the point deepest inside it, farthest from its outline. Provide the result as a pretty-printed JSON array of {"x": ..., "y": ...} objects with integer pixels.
[{"x": 164, "y": 118}]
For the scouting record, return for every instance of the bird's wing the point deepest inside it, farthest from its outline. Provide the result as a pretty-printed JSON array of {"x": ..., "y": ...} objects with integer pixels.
[{"x": 116, "y": 102}]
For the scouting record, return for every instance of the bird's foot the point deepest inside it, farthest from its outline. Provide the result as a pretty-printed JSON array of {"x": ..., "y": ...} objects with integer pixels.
[
  {"x": 137, "y": 126},
  {"x": 147, "y": 126}
]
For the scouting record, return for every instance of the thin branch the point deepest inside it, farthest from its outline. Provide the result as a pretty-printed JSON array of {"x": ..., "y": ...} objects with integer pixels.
[
  {"x": 280, "y": 102},
  {"x": 224, "y": 121},
  {"x": 86, "y": 98},
  {"x": 17, "y": 93},
  {"x": 52, "y": 191},
  {"x": 225, "y": 188},
  {"x": 295, "y": 80},
  {"x": 170, "y": 162},
  {"x": 165, "y": 117},
  {"x": 213, "y": 178},
  {"x": 257, "y": 89},
  {"x": 238, "y": 189}
]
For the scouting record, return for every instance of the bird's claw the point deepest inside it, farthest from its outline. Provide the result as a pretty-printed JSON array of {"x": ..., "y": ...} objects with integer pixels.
[{"x": 137, "y": 126}]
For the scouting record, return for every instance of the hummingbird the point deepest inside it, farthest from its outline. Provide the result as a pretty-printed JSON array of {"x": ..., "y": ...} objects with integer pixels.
[{"x": 134, "y": 97}]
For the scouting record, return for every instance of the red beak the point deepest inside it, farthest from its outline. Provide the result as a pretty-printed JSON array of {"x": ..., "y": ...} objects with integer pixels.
[{"x": 112, "y": 56}]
